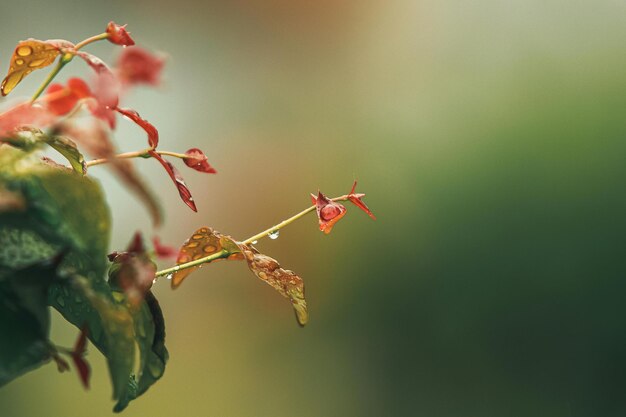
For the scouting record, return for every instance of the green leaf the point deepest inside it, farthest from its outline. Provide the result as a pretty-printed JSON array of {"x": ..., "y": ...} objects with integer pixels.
[
  {"x": 25, "y": 320},
  {"x": 150, "y": 337},
  {"x": 68, "y": 149}
]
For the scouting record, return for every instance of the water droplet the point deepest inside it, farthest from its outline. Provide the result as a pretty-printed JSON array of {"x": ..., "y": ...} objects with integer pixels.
[
  {"x": 274, "y": 235},
  {"x": 124, "y": 46},
  {"x": 24, "y": 50},
  {"x": 169, "y": 276},
  {"x": 177, "y": 267},
  {"x": 154, "y": 281},
  {"x": 19, "y": 61},
  {"x": 254, "y": 242}
]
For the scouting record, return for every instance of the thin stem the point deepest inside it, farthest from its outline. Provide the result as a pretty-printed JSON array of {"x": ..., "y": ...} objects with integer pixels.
[
  {"x": 135, "y": 154},
  {"x": 174, "y": 154},
  {"x": 91, "y": 40},
  {"x": 224, "y": 253},
  {"x": 55, "y": 71},
  {"x": 284, "y": 223},
  {"x": 212, "y": 257}
]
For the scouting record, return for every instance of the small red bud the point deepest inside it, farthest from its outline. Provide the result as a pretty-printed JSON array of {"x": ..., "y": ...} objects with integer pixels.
[{"x": 118, "y": 35}]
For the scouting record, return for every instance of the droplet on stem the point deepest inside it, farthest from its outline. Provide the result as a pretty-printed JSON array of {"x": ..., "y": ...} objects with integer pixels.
[{"x": 274, "y": 235}]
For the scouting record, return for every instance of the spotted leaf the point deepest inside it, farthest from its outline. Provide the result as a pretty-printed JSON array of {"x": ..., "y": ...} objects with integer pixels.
[
  {"x": 204, "y": 242},
  {"x": 286, "y": 282},
  {"x": 29, "y": 55}
]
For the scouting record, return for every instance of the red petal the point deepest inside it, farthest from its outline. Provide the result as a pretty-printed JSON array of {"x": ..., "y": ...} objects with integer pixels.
[
  {"x": 25, "y": 114},
  {"x": 184, "y": 192},
  {"x": 153, "y": 133},
  {"x": 196, "y": 159},
  {"x": 79, "y": 87},
  {"x": 136, "y": 244},
  {"x": 328, "y": 212},
  {"x": 118, "y": 35},
  {"x": 139, "y": 66},
  {"x": 356, "y": 200}
]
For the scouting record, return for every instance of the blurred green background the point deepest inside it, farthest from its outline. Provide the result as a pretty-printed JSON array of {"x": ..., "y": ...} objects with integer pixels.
[{"x": 490, "y": 138}]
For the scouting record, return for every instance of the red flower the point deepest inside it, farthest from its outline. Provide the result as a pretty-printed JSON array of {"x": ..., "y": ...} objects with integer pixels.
[
  {"x": 356, "y": 200},
  {"x": 328, "y": 212},
  {"x": 138, "y": 66},
  {"x": 118, "y": 35},
  {"x": 196, "y": 159}
]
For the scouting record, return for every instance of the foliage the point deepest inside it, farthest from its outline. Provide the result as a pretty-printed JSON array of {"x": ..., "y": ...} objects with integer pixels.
[{"x": 55, "y": 224}]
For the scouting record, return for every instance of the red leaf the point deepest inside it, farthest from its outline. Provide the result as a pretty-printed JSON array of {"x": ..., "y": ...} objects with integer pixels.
[
  {"x": 95, "y": 140},
  {"x": 106, "y": 90},
  {"x": 118, "y": 35},
  {"x": 184, "y": 192},
  {"x": 328, "y": 212},
  {"x": 61, "y": 100},
  {"x": 78, "y": 358},
  {"x": 196, "y": 159},
  {"x": 163, "y": 251},
  {"x": 24, "y": 114},
  {"x": 356, "y": 200},
  {"x": 139, "y": 66},
  {"x": 133, "y": 271},
  {"x": 153, "y": 133}
]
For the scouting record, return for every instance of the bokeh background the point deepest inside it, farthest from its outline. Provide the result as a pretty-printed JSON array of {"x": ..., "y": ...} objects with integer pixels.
[{"x": 490, "y": 138}]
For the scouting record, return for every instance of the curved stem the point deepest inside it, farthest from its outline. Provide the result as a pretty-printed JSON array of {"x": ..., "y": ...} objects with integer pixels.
[
  {"x": 55, "y": 71},
  {"x": 91, "y": 40},
  {"x": 174, "y": 154},
  {"x": 135, "y": 154}
]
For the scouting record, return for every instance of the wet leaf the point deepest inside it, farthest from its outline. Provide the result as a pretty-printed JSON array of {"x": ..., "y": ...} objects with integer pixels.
[
  {"x": 68, "y": 149},
  {"x": 29, "y": 55},
  {"x": 151, "y": 131},
  {"x": 204, "y": 242},
  {"x": 184, "y": 192},
  {"x": 196, "y": 159},
  {"x": 132, "y": 271},
  {"x": 286, "y": 282}
]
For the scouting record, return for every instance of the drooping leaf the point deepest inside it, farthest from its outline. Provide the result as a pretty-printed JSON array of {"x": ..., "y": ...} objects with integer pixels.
[
  {"x": 68, "y": 149},
  {"x": 152, "y": 132},
  {"x": 184, "y": 192},
  {"x": 95, "y": 140},
  {"x": 29, "y": 55},
  {"x": 150, "y": 336},
  {"x": 286, "y": 282},
  {"x": 204, "y": 242}
]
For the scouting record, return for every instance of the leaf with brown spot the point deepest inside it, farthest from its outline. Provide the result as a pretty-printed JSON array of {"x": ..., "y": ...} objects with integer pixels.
[
  {"x": 286, "y": 282},
  {"x": 29, "y": 55},
  {"x": 204, "y": 242}
]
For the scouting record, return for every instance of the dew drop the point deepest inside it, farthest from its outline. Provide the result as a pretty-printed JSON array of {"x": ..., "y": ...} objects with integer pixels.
[
  {"x": 24, "y": 50},
  {"x": 154, "y": 281},
  {"x": 169, "y": 276},
  {"x": 254, "y": 242},
  {"x": 176, "y": 268},
  {"x": 274, "y": 235},
  {"x": 19, "y": 61}
]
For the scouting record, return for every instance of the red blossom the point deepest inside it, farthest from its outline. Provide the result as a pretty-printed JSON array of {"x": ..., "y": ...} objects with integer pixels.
[
  {"x": 196, "y": 159},
  {"x": 328, "y": 212},
  {"x": 139, "y": 66},
  {"x": 119, "y": 35},
  {"x": 184, "y": 192},
  {"x": 163, "y": 251},
  {"x": 356, "y": 200},
  {"x": 153, "y": 133}
]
